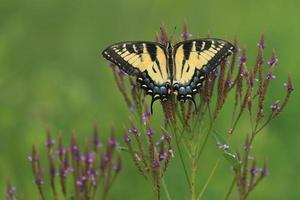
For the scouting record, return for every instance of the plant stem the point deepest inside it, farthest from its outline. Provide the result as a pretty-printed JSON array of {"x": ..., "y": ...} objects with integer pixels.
[
  {"x": 230, "y": 188},
  {"x": 165, "y": 189},
  {"x": 194, "y": 168},
  {"x": 209, "y": 179},
  {"x": 182, "y": 160},
  {"x": 205, "y": 139}
]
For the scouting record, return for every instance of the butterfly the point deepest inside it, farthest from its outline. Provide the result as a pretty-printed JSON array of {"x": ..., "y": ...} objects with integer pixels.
[{"x": 163, "y": 69}]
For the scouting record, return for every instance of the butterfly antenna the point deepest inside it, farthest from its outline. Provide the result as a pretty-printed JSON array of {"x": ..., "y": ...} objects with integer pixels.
[{"x": 171, "y": 38}]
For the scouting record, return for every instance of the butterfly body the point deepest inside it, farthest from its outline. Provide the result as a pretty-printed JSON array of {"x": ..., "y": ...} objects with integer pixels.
[{"x": 165, "y": 69}]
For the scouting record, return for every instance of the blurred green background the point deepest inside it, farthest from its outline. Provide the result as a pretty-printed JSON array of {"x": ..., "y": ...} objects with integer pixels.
[{"x": 52, "y": 76}]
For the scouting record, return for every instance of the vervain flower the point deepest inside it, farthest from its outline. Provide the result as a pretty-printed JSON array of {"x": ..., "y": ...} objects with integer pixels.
[{"x": 88, "y": 169}]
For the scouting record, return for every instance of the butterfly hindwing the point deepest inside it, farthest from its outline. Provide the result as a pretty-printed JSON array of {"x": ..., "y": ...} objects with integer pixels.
[
  {"x": 193, "y": 60},
  {"x": 145, "y": 60}
]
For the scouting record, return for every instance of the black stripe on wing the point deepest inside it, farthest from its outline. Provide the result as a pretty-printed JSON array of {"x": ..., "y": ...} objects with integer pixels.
[
  {"x": 214, "y": 51},
  {"x": 119, "y": 53}
]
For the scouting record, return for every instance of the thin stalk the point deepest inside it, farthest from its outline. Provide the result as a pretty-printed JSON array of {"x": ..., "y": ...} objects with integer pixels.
[
  {"x": 194, "y": 168},
  {"x": 237, "y": 120},
  {"x": 181, "y": 159},
  {"x": 166, "y": 189},
  {"x": 257, "y": 130},
  {"x": 199, "y": 118},
  {"x": 245, "y": 167},
  {"x": 209, "y": 179},
  {"x": 206, "y": 136},
  {"x": 230, "y": 188}
]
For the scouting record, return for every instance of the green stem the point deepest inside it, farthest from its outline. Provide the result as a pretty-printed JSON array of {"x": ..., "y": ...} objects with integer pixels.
[
  {"x": 209, "y": 179},
  {"x": 194, "y": 167},
  {"x": 166, "y": 189},
  {"x": 181, "y": 159},
  {"x": 205, "y": 140},
  {"x": 230, "y": 188}
]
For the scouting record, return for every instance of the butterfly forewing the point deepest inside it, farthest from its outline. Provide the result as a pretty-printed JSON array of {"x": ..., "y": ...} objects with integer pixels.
[
  {"x": 137, "y": 57},
  {"x": 193, "y": 60},
  {"x": 145, "y": 60}
]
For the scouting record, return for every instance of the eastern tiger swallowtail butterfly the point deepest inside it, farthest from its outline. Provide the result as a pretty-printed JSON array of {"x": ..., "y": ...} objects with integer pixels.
[{"x": 165, "y": 69}]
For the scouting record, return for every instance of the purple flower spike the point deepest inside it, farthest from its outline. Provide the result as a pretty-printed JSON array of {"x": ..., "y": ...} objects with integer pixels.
[
  {"x": 10, "y": 193},
  {"x": 255, "y": 170},
  {"x": 74, "y": 149},
  {"x": 146, "y": 117},
  {"x": 229, "y": 83},
  {"x": 167, "y": 137},
  {"x": 79, "y": 183},
  {"x": 32, "y": 159},
  {"x": 237, "y": 49},
  {"x": 91, "y": 158},
  {"x": 112, "y": 142},
  {"x": 261, "y": 45},
  {"x": 162, "y": 156},
  {"x": 243, "y": 59},
  {"x": 39, "y": 181},
  {"x": 61, "y": 151},
  {"x": 271, "y": 76},
  {"x": 216, "y": 73},
  {"x": 127, "y": 138},
  {"x": 289, "y": 87},
  {"x": 96, "y": 141},
  {"x": 156, "y": 163},
  {"x": 50, "y": 142},
  {"x": 244, "y": 74},
  {"x": 275, "y": 106},
  {"x": 273, "y": 61},
  {"x": 186, "y": 35},
  {"x": 63, "y": 173},
  {"x": 82, "y": 157},
  {"x": 149, "y": 132},
  {"x": 134, "y": 130}
]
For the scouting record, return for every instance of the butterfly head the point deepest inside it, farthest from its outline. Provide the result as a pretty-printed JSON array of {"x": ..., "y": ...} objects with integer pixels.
[
  {"x": 169, "y": 48},
  {"x": 169, "y": 45}
]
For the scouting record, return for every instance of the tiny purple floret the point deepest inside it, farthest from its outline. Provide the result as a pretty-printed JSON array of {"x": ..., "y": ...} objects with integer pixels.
[
  {"x": 149, "y": 132},
  {"x": 275, "y": 107},
  {"x": 127, "y": 138},
  {"x": 273, "y": 61},
  {"x": 289, "y": 87},
  {"x": 271, "y": 76}
]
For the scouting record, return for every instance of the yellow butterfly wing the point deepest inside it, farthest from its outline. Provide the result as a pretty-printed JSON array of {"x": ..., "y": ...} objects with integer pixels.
[
  {"x": 193, "y": 60},
  {"x": 145, "y": 60},
  {"x": 135, "y": 58}
]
